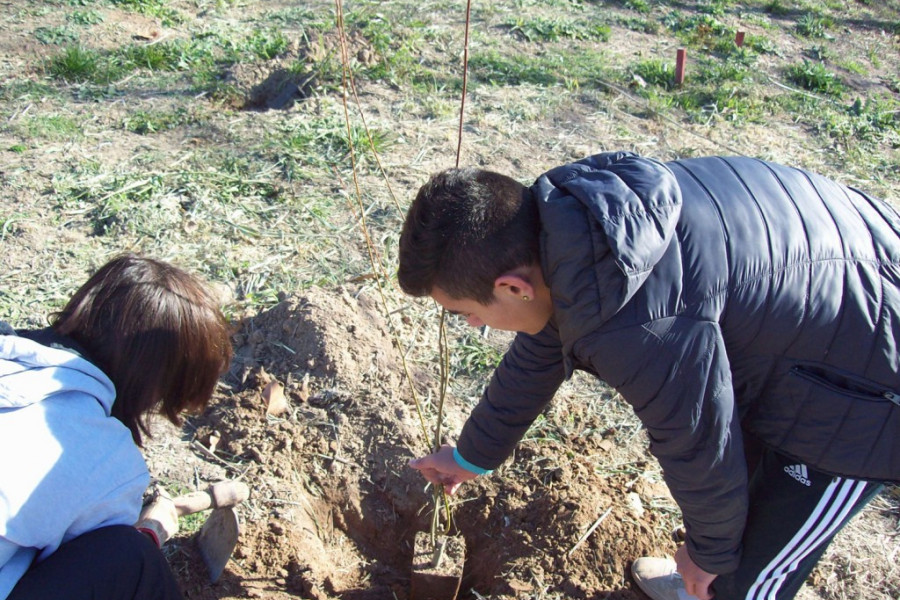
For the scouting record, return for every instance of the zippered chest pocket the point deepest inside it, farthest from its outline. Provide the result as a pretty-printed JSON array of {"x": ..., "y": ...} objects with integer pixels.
[{"x": 845, "y": 383}]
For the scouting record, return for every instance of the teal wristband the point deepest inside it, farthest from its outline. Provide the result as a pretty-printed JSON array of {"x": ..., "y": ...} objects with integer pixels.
[{"x": 467, "y": 465}]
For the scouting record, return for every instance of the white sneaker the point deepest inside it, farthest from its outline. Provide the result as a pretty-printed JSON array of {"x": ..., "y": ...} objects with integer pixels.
[{"x": 659, "y": 579}]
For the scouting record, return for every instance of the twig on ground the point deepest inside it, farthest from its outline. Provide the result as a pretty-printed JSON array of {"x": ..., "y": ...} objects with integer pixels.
[{"x": 589, "y": 531}]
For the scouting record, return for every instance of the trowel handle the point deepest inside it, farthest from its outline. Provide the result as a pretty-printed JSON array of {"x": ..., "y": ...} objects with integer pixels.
[
  {"x": 219, "y": 495},
  {"x": 194, "y": 502}
]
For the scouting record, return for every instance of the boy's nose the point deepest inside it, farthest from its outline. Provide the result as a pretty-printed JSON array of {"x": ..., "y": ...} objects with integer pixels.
[{"x": 474, "y": 321}]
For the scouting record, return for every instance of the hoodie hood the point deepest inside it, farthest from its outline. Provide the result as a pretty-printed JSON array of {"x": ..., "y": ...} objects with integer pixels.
[
  {"x": 31, "y": 372},
  {"x": 606, "y": 221}
]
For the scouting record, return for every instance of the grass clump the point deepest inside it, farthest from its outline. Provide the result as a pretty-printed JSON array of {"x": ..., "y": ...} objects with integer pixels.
[
  {"x": 473, "y": 356},
  {"x": 641, "y": 6},
  {"x": 656, "y": 72},
  {"x": 324, "y": 142},
  {"x": 85, "y": 17},
  {"x": 640, "y": 25},
  {"x": 572, "y": 70},
  {"x": 776, "y": 7},
  {"x": 701, "y": 31},
  {"x": 815, "y": 77},
  {"x": 59, "y": 35},
  {"x": 546, "y": 29},
  {"x": 149, "y": 122},
  {"x": 153, "y": 8},
  {"x": 267, "y": 44},
  {"x": 52, "y": 127},
  {"x": 80, "y": 64},
  {"x": 865, "y": 121},
  {"x": 155, "y": 57},
  {"x": 814, "y": 26}
]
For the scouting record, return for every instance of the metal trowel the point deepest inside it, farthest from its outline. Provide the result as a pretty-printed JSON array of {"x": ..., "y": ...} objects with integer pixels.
[
  {"x": 217, "y": 539},
  {"x": 219, "y": 534}
]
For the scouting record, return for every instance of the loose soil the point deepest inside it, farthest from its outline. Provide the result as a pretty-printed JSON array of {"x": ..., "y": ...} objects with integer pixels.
[{"x": 334, "y": 508}]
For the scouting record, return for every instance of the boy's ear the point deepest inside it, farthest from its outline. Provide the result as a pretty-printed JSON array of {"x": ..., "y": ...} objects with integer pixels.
[{"x": 514, "y": 285}]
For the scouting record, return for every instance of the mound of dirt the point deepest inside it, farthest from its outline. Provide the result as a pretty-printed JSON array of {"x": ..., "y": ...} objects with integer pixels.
[
  {"x": 277, "y": 83},
  {"x": 334, "y": 508}
]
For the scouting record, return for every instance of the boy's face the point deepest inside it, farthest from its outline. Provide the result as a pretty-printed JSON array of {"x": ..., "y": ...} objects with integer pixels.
[{"x": 508, "y": 311}]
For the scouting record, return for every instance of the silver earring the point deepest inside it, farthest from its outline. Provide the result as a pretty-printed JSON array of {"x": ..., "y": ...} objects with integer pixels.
[{"x": 526, "y": 298}]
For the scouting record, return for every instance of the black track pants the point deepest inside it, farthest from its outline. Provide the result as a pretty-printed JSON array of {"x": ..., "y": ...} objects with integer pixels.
[
  {"x": 794, "y": 514},
  {"x": 111, "y": 563}
]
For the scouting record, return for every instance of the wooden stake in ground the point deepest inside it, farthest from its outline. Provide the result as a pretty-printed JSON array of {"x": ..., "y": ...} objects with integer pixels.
[
  {"x": 437, "y": 567},
  {"x": 680, "y": 57}
]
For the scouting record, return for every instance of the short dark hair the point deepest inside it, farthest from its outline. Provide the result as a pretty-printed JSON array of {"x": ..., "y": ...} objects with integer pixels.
[
  {"x": 157, "y": 333},
  {"x": 465, "y": 228}
]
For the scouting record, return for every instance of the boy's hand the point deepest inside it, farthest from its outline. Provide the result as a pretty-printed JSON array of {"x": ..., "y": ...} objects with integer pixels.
[
  {"x": 441, "y": 468},
  {"x": 697, "y": 582}
]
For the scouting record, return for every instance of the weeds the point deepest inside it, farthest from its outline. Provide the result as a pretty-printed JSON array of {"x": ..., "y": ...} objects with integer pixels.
[
  {"x": 79, "y": 64},
  {"x": 549, "y": 69},
  {"x": 154, "y": 8},
  {"x": 656, "y": 72},
  {"x": 53, "y": 127},
  {"x": 85, "y": 17},
  {"x": 867, "y": 121},
  {"x": 542, "y": 29},
  {"x": 60, "y": 35},
  {"x": 815, "y": 77},
  {"x": 324, "y": 143},
  {"x": 814, "y": 26},
  {"x": 266, "y": 45},
  {"x": 148, "y": 122}
]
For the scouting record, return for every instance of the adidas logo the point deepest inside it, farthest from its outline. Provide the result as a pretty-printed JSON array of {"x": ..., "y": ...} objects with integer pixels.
[{"x": 799, "y": 473}]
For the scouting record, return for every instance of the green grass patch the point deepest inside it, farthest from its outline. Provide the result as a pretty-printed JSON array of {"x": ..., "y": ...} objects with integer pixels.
[
  {"x": 85, "y": 17},
  {"x": 640, "y": 24},
  {"x": 149, "y": 122},
  {"x": 656, "y": 72},
  {"x": 79, "y": 64},
  {"x": 52, "y": 127},
  {"x": 165, "y": 56},
  {"x": 554, "y": 29},
  {"x": 701, "y": 31},
  {"x": 26, "y": 89},
  {"x": 266, "y": 44},
  {"x": 641, "y": 6},
  {"x": 777, "y": 7},
  {"x": 868, "y": 121},
  {"x": 815, "y": 77},
  {"x": 324, "y": 142},
  {"x": 473, "y": 356},
  {"x": 154, "y": 8},
  {"x": 814, "y": 26},
  {"x": 59, "y": 35},
  {"x": 853, "y": 66},
  {"x": 572, "y": 70}
]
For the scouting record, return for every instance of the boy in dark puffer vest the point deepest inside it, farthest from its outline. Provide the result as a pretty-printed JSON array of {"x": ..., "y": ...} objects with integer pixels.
[{"x": 746, "y": 310}]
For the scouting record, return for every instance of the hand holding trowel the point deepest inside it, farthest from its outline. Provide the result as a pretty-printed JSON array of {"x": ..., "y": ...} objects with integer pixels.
[{"x": 218, "y": 535}]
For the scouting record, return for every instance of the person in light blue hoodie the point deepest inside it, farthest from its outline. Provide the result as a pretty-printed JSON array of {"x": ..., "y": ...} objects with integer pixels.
[{"x": 140, "y": 336}]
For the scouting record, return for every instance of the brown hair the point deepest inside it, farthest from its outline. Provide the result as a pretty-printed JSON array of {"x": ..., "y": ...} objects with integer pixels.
[
  {"x": 156, "y": 332},
  {"x": 465, "y": 228}
]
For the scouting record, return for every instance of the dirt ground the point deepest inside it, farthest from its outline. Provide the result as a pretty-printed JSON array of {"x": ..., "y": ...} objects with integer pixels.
[{"x": 334, "y": 508}]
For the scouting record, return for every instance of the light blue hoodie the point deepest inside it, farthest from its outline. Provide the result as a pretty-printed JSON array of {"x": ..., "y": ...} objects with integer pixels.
[{"x": 66, "y": 466}]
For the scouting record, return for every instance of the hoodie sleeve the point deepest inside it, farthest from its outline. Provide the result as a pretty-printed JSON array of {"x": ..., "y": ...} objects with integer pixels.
[
  {"x": 521, "y": 387},
  {"x": 675, "y": 373}
]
